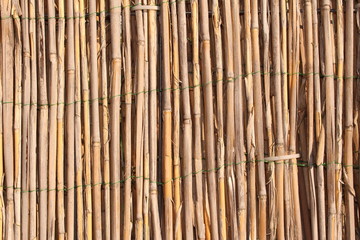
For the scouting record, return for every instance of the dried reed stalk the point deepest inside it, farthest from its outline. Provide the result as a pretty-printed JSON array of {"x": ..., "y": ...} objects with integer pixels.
[
  {"x": 86, "y": 124},
  {"x": 127, "y": 135},
  {"x": 220, "y": 144},
  {"x": 176, "y": 120},
  {"x": 208, "y": 115},
  {"x": 60, "y": 122},
  {"x": 197, "y": 148},
  {"x": 53, "y": 98},
  {"x": 115, "y": 22},
  {"x": 187, "y": 124},
  {"x": 348, "y": 148}
]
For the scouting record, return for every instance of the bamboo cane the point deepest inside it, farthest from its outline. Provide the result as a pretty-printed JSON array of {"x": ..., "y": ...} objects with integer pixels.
[
  {"x": 7, "y": 37},
  {"x": 330, "y": 121},
  {"x": 128, "y": 120},
  {"x": 348, "y": 148},
  {"x": 310, "y": 113},
  {"x": 60, "y": 120},
  {"x": 209, "y": 119},
  {"x": 153, "y": 123},
  {"x": 240, "y": 158},
  {"x": 187, "y": 123},
  {"x": 78, "y": 144},
  {"x": 43, "y": 119},
  {"x": 17, "y": 118},
  {"x": 70, "y": 121},
  {"x": 319, "y": 128},
  {"x": 95, "y": 126},
  {"x": 197, "y": 153},
  {"x": 259, "y": 135},
  {"x": 86, "y": 125},
  {"x": 176, "y": 120},
  {"x": 105, "y": 121},
  {"x": 140, "y": 42},
  {"x": 167, "y": 118},
  {"x": 53, "y": 97},
  {"x": 26, "y": 84},
  {"x": 339, "y": 111},
  {"x": 250, "y": 131},
  {"x": 1, "y": 151},
  {"x": 220, "y": 118}
]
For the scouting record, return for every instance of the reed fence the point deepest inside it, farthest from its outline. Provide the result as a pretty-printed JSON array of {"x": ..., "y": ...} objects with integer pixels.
[{"x": 180, "y": 119}]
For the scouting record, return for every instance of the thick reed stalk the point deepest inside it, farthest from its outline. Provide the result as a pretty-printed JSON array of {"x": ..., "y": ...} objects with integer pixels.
[
  {"x": 70, "y": 121},
  {"x": 339, "y": 112},
  {"x": 140, "y": 67},
  {"x": 279, "y": 133},
  {"x": 348, "y": 148},
  {"x": 115, "y": 21},
  {"x": 220, "y": 144},
  {"x": 240, "y": 157},
  {"x": 53, "y": 97},
  {"x": 208, "y": 116},
  {"x": 7, "y": 40},
  {"x": 176, "y": 120},
  {"x": 258, "y": 107},
  {"x": 43, "y": 119},
  {"x": 230, "y": 121},
  {"x": 25, "y": 128},
  {"x": 167, "y": 119},
  {"x": 78, "y": 141},
  {"x": 105, "y": 121},
  {"x": 60, "y": 122},
  {"x": 128, "y": 121},
  {"x": 187, "y": 124},
  {"x": 311, "y": 151},
  {"x": 86, "y": 125},
  {"x": 17, "y": 118},
  {"x": 250, "y": 129},
  {"x": 95, "y": 125},
  {"x": 319, "y": 127},
  {"x": 197, "y": 153},
  {"x": 153, "y": 113},
  {"x": 33, "y": 124},
  {"x": 330, "y": 120}
]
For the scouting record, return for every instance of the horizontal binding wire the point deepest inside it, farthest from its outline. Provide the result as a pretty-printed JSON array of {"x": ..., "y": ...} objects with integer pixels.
[
  {"x": 176, "y": 89},
  {"x": 299, "y": 164}
]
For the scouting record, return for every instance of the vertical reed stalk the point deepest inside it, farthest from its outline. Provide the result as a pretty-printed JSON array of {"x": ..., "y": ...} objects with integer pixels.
[
  {"x": 220, "y": 144},
  {"x": 78, "y": 144},
  {"x": 25, "y": 128},
  {"x": 176, "y": 119},
  {"x": 208, "y": 116},
  {"x": 86, "y": 124},
  {"x": 128, "y": 120},
  {"x": 43, "y": 119},
  {"x": 330, "y": 121},
  {"x": 187, "y": 124},
  {"x": 240, "y": 158},
  {"x": 167, "y": 118},
  {"x": 60, "y": 121},
  {"x": 348, "y": 148},
  {"x": 197, "y": 153},
  {"x": 140, "y": 71},
  {"x": 7, "y": 38},
  {"x": 153, "y": 113},
  {"x": 53, "y": 97},
  {"x": 310, "y": 115},
  {"x": 95, "y": 125},
  {"x": 105, "y": 121}
]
